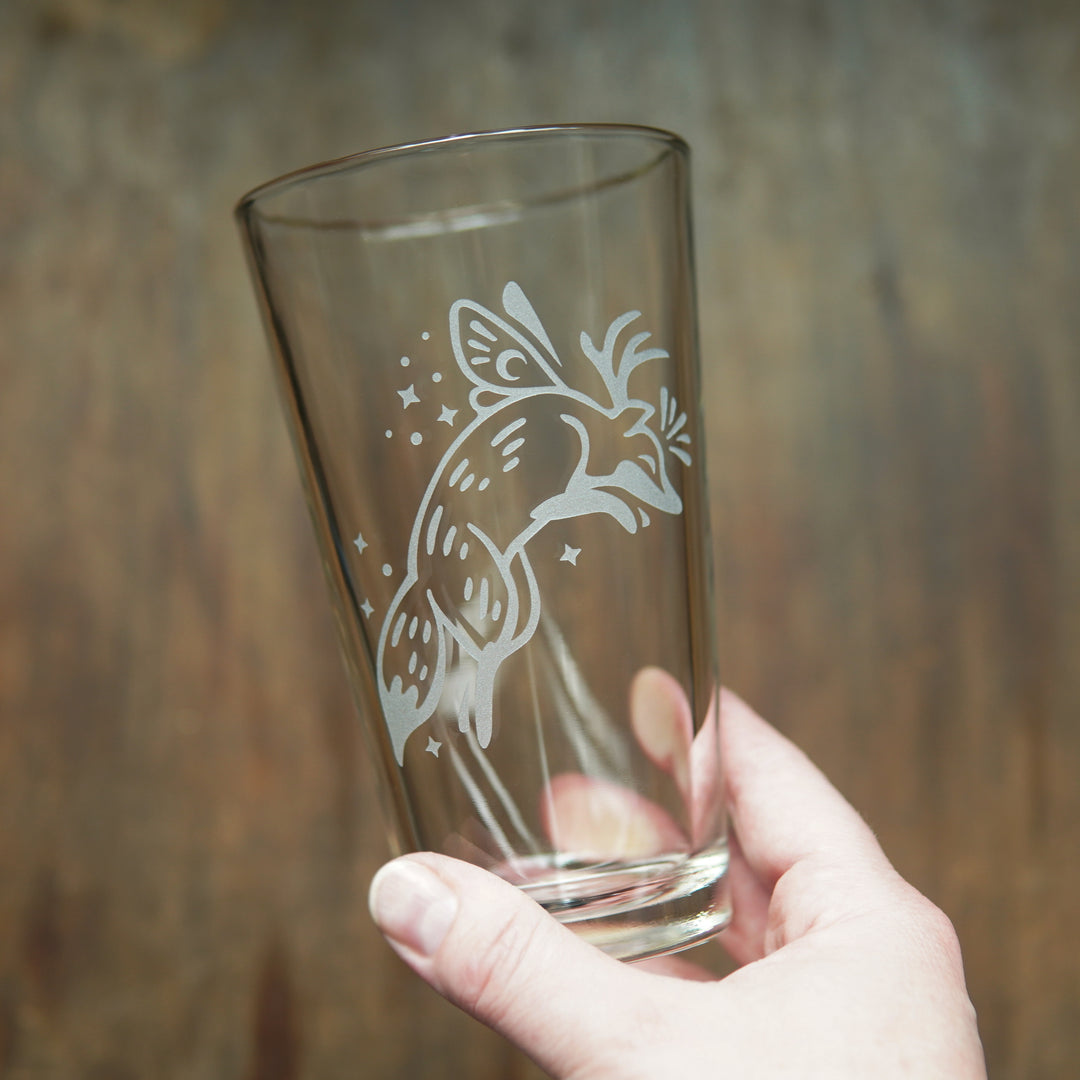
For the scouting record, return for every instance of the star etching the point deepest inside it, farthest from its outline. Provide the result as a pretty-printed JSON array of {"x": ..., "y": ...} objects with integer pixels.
[
  {"x": 447, "y": 415},
  {"x": 570, "y": 554},
  {"x": 433, "y": 747},
  {"x": 408, "y": 396},
  {"x": 360, "y": 543},
  {"x": 367, "y": 609}
]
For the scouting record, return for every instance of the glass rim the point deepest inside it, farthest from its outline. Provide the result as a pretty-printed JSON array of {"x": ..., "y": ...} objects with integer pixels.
[{"x": 247, "y": 202}]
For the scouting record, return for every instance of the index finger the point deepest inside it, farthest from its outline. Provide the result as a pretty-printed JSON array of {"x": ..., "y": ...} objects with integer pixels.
[{"x": 782, "y": 807}]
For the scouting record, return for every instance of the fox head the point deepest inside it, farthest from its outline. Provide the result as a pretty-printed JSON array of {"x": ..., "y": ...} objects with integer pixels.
[{"x": 621, "y": 468}]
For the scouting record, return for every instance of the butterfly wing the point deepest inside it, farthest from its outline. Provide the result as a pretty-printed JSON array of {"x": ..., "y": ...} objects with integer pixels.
[{"x": 496, "y": 355}]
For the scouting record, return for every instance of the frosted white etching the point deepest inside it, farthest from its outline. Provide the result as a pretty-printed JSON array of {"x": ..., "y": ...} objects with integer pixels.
[{"x": 470, "y": 598}]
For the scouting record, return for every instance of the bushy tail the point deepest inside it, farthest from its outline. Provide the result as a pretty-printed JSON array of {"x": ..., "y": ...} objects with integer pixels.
[{"x": 411, "y": 664}]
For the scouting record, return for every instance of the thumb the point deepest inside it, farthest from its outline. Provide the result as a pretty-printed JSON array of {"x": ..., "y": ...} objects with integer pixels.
[{"x": 483, "y": 944}]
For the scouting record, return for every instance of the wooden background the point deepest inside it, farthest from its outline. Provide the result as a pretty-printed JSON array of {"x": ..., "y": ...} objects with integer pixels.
[{"x": 888, "y": 212}]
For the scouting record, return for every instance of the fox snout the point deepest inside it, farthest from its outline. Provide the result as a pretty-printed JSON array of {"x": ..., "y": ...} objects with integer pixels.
[
  {"x": 614, "y": 474},
  {"x": 642, "y": 472}
]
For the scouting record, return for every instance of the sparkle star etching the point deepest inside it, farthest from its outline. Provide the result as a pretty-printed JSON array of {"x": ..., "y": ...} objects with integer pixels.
[{"x": 441, "y": 648}]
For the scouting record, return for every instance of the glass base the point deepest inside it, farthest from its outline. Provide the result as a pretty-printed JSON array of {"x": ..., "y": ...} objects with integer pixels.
[{"x": 632, "y": 909}]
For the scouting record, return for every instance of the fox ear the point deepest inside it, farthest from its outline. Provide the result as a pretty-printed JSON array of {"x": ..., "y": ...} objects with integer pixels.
[{"x": 493, "y": 354}]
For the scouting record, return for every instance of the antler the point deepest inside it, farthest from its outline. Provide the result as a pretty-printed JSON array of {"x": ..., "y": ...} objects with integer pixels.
[{"x": 603, "y": 359}]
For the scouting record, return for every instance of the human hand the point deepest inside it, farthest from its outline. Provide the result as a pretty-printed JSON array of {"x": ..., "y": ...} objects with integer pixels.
[{"x": 847, "y": 971}]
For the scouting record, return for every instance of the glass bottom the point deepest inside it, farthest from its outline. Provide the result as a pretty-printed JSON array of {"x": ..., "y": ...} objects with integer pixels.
[{"x": 631, "y": 909}]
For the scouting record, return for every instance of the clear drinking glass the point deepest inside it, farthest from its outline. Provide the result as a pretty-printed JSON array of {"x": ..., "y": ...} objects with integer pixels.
[{"x": 487, "y": 352}]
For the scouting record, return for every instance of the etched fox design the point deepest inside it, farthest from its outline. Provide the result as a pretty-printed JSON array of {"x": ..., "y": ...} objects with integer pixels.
[{"x": 470, "y": 597}]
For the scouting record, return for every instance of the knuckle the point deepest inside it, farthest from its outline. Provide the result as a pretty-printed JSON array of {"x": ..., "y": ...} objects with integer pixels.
[
  {"x": 935, "y": 930},
  {"x": 942, "y": 932},
  {"x": 494, "y": 966}
]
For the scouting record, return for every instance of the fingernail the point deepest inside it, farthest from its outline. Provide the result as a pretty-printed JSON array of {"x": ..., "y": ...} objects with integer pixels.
[{"x": 412, "y": 906}]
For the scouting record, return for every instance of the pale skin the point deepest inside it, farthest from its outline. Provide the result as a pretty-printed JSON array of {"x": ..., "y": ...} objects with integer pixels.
[{"x": 846, "y": 971}]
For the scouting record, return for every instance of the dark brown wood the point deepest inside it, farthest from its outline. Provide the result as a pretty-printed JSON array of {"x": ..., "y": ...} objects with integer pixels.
[{"x": 889, "y": 270}]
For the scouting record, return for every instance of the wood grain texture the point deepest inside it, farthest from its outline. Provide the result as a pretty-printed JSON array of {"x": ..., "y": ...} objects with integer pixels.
[{"x": 889, "y": 267}]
